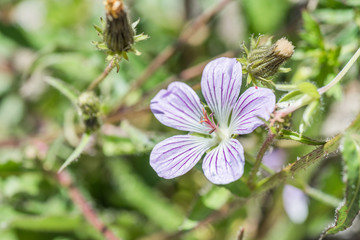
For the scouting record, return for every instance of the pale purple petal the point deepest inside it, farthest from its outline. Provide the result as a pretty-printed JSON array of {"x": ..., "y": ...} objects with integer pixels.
[
  {"x": 175, "y": 156},
  {"x": 179, "y": 107},
  {"x": 225, "y": 163},
  {"x": 295, "y": 204},
  {"x": 275, "y": 159},
  {"x": 252, "y": 105},
  {"x": 220, "y": 85}
]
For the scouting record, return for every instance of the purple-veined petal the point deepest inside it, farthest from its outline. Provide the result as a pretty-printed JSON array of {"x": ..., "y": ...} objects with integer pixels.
[
  {"x": 225, "y": 163},
  {"x": 179, "y": 107},
  {"x": 252, "y": 105},
  {"x": 176, "y": 155},
  {"x": 295, "y": 204},
  {"x": 220, "y": 85}
]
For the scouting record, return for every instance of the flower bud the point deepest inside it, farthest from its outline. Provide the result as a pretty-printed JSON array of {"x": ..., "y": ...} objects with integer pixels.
[
  {"x": 89, "y": 105},
  {"x": 264, "y": 61},
  {"x": 118, "y": 34}
]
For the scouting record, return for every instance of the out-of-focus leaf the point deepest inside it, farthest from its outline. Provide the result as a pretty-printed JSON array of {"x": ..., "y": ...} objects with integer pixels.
[
  {"x": 143, "y": 198},
  {"x": 48, "y": 223},
  {"x": 64, "y": 88},
  {"x": 141, "y": 141},
  {"x": 309, "y": 89},
  {"x": 290, "y": 135},
  {"x": 115, "y": 145},
  {"x": 11, "y": 111},
  {"x": 312, "y": 34},
  {"x": 308, "y": 114},
  {"x": 350, "y": 208},
  {"x": 259, "y": 13},
  {"x": 78, "y": 150},
  {"x": 239, "y": 188},
  {"x": 214, "y": 198}
]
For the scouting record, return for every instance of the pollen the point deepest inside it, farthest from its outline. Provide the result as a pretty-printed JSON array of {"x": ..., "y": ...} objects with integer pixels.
[
  {"x": 284, "y": 48},
  {"x": 114, "y": 7}
]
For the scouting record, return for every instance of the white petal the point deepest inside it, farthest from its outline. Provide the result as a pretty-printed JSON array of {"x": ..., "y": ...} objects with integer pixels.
[
  {"x": 225, "y": 163},
  {"x": 220, "y": 85},
  {"x": 179, "y": 107},
  {"x": 175, "y": 156},
  {"x": 252, "y": 105}
]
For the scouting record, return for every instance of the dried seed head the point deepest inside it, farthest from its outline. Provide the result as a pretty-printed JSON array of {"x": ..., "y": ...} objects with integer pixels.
[
  {"x": 118, "y": 34},
  {"x": 114, "y": 7},
  {"x": 284, "y": 48}
]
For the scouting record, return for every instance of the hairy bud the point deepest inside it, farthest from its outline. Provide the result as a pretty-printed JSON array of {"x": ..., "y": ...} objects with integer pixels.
[
  {"x": 265, "y": 61},
  {"x": 118, "y": 34}
]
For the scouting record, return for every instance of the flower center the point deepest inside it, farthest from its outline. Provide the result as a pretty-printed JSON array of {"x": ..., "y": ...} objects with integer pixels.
[{"x": 221, "y": 132}]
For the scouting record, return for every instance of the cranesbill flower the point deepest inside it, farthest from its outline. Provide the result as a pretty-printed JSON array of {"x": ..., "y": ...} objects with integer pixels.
[{"x": 211, "y": 133}]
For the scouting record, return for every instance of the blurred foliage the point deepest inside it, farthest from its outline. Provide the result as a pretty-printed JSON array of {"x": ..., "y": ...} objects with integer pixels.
[{"x": 42, "y": 40}]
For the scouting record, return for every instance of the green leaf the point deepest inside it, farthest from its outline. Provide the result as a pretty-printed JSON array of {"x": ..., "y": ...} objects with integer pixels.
[
  {"x": 291, "y": 96},
  {"x": 239, "y": 188},
  {"x": 48, "y": 223},
  {"x": 308, "y": 114},
  {"x": 143, "y": 198},
  {"x": 78, "y": 150},
  {"x": 64, "y": 88},
  {"x": 309, "y": 89},
  {"x": 312, "y": 33},
  {"x": 290, "y": 135},
  {"x": 350, "y": 208},
  {"x": 213, "y": 199}
]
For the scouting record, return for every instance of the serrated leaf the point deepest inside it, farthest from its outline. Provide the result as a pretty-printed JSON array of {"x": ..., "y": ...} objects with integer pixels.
[
  {"x": 78, "y": 150},
  {"x": 309, "y": 89},
  {"x": 290, "y": 135},
  {"x": 67, "y": 90},
  {"x": 350, "y": 208}
]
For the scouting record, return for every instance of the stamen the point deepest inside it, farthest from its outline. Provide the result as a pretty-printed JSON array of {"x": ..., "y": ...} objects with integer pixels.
[{"x": 210, "y": 123}]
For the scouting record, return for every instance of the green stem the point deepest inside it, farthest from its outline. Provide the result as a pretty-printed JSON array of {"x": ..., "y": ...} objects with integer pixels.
[
  {"x": 321, "y": 196},
  {"x": 341, "y": 73},
  {"x": 259, "y": 158},
  {"x": 106, "y": 72}
]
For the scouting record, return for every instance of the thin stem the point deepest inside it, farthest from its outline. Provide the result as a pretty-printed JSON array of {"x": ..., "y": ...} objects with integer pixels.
[
  {"x": 169, "y": 51},
  {"x": 341, "y": 73},
  {"x": 306, "y": 99},
  {"x": 259, "y": 158},
  {"x": 66, "y": 181},
  {"x": 321, "y": 196},
  {"x": 106, "y": 72}
]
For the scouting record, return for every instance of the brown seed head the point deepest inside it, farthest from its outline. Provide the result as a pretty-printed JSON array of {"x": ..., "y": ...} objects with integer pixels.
[
  {"x": 284, "y": 48},
  {"x": 114, "y": 7}
]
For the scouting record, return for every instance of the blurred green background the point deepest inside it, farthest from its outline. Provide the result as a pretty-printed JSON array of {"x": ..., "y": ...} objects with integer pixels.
[{"x": 39, "y": 127}]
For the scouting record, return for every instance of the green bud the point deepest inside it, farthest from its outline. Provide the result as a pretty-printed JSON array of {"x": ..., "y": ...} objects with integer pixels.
[
  {"x": 265, "y": 61},
  {"x": 89, "y": 105},
  {"x": 118, "y": 34}
]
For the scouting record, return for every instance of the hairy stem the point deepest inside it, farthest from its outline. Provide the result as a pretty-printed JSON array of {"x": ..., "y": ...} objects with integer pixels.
[
  {"x": 259, "y": 158},
  {"x": 66, "y": 181},
  {"x": 106, "y": 72}
]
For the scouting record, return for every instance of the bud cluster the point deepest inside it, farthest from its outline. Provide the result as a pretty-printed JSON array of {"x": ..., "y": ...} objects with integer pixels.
[{"x": 263, "y": 61}]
